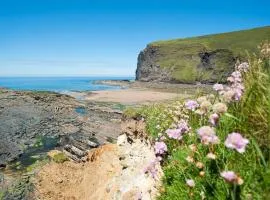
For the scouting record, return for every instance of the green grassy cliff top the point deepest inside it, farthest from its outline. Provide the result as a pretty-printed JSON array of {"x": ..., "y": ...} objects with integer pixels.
[{"x": 237, "y": 41}]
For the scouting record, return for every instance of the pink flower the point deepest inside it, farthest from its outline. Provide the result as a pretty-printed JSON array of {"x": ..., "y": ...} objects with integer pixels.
[
  {"x": 218, "y": 87},
  {"x": 237, "y": 142},
  {"x": 207, "y": 135},
  {"x": 177, "y": 133},
  {"x": 174, "y": 133},
  {"x": 160, "y": 147},
  {"x": 191, "y": 105},
  {"x": 229, "y": 176},
  {"x": 190, "y": 183},
  {"x": 213, "y": 119},
  {"x": 183, "y": 126}
]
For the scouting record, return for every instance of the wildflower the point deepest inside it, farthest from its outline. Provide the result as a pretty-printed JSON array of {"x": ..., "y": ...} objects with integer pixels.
[
  {"x": 231, "y": 177},
  {"x": 202, "y": 194},
  {"x": 191, "y": 105},
  {"x": 202, "y": 173},
  {"x": 190, "y": 183},
  {"x": 237, "y": 142},
  {"x": 235, "y": 77},
  {"x": 189, "y": 159},
  {"x": 199, "y": 165},
  {"x": 202, "y": 99},
  {"x": 200, "y": 112},
  {"x": 174, "y": 133},
  {"x": 213, "y": 119},
  {"x": 162, "y": 138},
  {"x": 192, "y": 147},
  {"x": 183, "y": 126},
  {"x": 237, "y": 94},
  {"x": 243, "y": 67},
  {"x": 205, "y": 105},
  {"x": 207, "y": 135},
  {"x": 211, "y": 156},
  {"x": 160, "y": 147},
  {"x": 218, "y": 87},
  {"x": 220, "y": 108},
  {"x": 239, "y": 181},
  {"x": 228, "y": 95}
]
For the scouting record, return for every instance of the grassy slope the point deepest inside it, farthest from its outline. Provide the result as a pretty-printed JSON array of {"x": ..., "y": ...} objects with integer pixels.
[
  {"x": 182, "y": 54},
  {"x": 250, "y": 116}
]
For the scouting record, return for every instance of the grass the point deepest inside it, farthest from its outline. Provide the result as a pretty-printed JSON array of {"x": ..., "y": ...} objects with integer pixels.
[
  {"x": 181, "y": 56},
  {"x": 2, "y": 195},
  {"x": 250, "y": 116}
]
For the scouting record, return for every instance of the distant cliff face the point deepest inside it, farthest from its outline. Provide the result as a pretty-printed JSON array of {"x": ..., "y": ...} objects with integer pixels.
[
  {"x": 205, "y": 59},
  {"x": 201, "y": 66},
  {"x": 147, "y": 67}
]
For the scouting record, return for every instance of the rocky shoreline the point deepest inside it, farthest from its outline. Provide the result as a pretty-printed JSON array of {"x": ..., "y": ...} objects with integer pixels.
[
  {"x": 26, "y": 116},
  {"x": 34, "y": 123}
]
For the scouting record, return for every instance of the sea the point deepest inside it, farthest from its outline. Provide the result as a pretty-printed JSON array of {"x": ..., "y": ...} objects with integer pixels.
[{"x": 59, "y": 84}]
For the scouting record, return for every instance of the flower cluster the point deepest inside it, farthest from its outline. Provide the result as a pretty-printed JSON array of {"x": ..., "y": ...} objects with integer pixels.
[
  {"x": 211, "y": 107},
  {"x": 177, "y": 133},
  {"x": 237, "y": 142},
  {"x": 191, "y": 105},
  {"x": 235, "y": 90},
  {"x": 160, "y": 148},
  {"x": 208, "y": 135}
]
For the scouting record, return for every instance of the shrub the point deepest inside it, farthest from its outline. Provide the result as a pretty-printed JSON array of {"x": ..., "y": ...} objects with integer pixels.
[{"x": 59, "y": 158}]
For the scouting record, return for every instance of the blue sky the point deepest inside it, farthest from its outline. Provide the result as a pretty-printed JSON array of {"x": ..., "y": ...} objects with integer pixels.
[{"x": 97, "y": 37}]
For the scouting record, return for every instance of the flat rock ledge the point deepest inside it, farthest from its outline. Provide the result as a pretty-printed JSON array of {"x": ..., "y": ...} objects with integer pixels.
[{"x": 112, "y": 172}]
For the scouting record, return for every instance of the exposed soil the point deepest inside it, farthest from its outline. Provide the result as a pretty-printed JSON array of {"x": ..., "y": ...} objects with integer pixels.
[{"x": 113, "y": 171}]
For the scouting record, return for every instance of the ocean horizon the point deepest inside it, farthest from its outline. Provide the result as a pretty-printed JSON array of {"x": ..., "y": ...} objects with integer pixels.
[{"x": 60, "y": 84}]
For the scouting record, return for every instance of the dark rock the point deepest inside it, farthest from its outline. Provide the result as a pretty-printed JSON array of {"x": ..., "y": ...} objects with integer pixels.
[
  {"x": 210, "y": 65},
  {"x": 22, "y": 122},
  {"x": 147, "y": 67}
]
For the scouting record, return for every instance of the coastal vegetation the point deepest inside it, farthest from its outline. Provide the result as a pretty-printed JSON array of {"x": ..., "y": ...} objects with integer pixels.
[{"x": 216, "y": 146}]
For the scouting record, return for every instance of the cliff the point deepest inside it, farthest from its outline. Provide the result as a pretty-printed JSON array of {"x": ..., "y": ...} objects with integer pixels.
[{"x": 204, "y": 59}]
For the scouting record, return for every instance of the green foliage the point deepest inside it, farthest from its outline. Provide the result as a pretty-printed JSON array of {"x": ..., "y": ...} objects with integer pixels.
[
  {"x": 130, "y": 112},
  {"x": 60, "y": 158},
  {"x": 250, "y": 117},
  {"x": 2, "y": 195},
  {"x": 182, "y": 55}
]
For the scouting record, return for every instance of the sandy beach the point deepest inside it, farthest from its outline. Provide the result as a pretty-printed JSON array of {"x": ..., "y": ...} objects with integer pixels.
[
  {"x": 140, "y": 92},
  {"x": 132, "y": 96}
]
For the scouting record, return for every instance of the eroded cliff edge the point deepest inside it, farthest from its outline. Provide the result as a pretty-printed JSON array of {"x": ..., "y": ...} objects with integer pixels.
[{"x": 202, "y": 66}]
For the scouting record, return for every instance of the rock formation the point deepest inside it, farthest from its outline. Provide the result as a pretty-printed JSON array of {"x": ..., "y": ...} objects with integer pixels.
[{"x": 204, "y": 59}]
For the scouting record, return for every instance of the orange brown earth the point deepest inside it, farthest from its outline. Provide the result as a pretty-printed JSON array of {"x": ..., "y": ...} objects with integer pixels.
[{"x": 112, "y": 171}]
